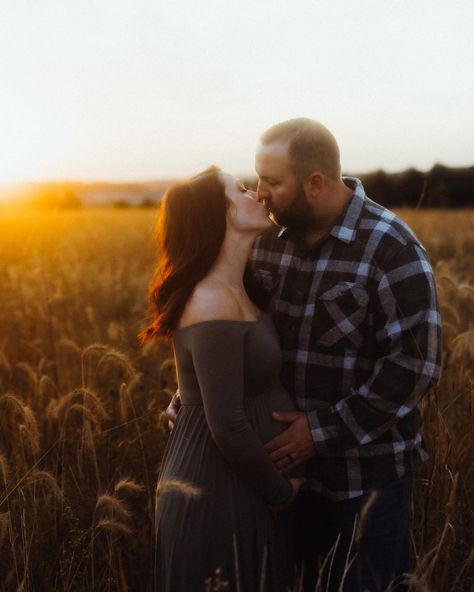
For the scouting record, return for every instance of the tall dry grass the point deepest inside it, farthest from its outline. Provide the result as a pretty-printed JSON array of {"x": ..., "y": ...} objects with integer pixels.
[{"x": 81, "y": 425}]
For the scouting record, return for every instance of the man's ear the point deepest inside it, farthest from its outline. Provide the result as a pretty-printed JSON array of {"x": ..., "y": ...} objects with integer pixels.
[{"x": 314, "y": 185}]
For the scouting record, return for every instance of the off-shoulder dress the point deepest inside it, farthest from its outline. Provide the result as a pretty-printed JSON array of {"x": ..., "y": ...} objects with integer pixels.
[{"x": 217, "y": 485}]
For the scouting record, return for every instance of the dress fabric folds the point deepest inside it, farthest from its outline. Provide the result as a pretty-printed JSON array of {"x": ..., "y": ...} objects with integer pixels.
[{"x": 217, "y": 485}]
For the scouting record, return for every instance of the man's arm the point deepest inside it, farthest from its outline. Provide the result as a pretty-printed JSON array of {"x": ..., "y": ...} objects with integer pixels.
[{"x": 407, "y": 324}]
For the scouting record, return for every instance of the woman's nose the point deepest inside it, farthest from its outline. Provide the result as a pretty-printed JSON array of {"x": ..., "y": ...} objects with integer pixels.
[{"x": 253, "y": 195}]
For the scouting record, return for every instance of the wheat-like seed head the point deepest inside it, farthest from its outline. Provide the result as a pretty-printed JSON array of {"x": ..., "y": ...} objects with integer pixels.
[
  {"x": 466, "y": 291},
  {"x": 364, "y": 513},
  {"x": 123, "y": 400},
  {"x": 112, "y": 507},
  {"x": 5, "y": 367},
  {"x": 30, "y": 375},
  {"x": 129, "y": 486},
  {"x": 94, "y": 349},
  {"x": 463, "y": 347},
  {"x": 47, "y": 480},
  {"x": 186, "y": 489},
  {"x": 119, "y": 358},
  {"x": 47, "y": 388},
  {"x": 76, "y": 415},
  {"x": 4, "y": 470},
  {"x": 114, "y": 527},
  {"x": 167, "y": 374},
  {"x": 4, "y": 527},
  {"x": 51, "y": 410},
  {"x": 89, "y": 439},
  {"x": 11, "y": 403},
  {"x": 86, "y": 397},
  {"x": 30, "y": 431},
  {"x": 17, "y": 421}
]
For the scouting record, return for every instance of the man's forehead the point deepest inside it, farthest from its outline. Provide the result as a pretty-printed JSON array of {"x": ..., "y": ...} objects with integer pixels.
[
  {"x": 272, "y": 157},
  {"x": 276, "y": 149}
]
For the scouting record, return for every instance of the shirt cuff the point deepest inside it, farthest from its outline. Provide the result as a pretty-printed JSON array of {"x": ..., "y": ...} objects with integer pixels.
[{"x": 322, "y": 430}]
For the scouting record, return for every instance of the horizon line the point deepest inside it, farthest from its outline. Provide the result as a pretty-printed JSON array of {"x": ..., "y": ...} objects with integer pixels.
[{"x": 170, "y": 179}]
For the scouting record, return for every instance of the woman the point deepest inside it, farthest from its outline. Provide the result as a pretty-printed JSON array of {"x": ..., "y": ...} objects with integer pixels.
[{"x": 218, "y": 491}]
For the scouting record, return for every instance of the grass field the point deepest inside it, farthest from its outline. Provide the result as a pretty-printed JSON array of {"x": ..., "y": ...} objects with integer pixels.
[{"x": 81, "y": 429}]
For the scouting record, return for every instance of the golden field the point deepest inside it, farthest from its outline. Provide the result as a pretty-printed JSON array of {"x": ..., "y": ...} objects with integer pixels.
[{"x": 81, "y": 424}]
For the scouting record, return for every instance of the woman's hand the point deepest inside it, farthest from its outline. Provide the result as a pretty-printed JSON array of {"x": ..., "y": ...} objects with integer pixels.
[
  {"x": 296, "y": 484},
  {"x": 172, "y": 409}
]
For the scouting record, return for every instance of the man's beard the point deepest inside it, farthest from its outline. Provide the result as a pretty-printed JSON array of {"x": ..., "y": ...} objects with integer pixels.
[{"x": 298, "y": 215}]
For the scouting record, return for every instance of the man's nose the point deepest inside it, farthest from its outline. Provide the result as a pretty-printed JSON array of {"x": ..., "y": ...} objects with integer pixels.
[{"x": 261, "y": 192}]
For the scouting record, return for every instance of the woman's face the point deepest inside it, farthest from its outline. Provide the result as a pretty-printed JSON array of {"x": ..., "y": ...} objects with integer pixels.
[{"x": 245, "y": 212}]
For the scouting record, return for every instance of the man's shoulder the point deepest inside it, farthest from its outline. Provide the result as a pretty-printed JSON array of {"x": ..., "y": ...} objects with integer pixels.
[{"x": 388, "y": 232}]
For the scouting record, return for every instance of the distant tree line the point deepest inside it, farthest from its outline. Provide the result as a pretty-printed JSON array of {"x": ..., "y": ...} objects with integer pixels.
[
  {"x": 441, "y": 187},
  {"x": 146, "y": 202}
]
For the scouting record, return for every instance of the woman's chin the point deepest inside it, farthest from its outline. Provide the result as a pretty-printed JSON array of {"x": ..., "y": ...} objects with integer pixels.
[{"x": 265, "y": 226}]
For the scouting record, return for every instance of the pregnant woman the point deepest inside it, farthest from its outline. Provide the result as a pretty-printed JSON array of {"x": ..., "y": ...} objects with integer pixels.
[{"x": 218, "y": 494}]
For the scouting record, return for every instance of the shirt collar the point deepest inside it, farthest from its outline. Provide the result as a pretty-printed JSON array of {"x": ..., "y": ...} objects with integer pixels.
[{"x": 345, "y": 225}]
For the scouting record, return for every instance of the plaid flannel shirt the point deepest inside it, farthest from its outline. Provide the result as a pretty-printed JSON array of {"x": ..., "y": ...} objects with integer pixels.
[{"x": 359, "y": 325}]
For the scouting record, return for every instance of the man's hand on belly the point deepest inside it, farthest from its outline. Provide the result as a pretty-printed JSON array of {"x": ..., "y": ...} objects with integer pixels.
[{"x": 293, "y": 446}]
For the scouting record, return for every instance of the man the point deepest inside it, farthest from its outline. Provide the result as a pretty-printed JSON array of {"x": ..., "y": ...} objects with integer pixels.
[{"x": 354, "y": 302}]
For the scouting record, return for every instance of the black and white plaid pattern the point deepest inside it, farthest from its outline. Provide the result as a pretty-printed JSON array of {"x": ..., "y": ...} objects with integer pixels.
[{"x": 359, "y": 326}]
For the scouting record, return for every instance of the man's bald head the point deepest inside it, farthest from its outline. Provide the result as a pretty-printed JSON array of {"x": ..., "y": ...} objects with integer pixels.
[{"x": 311, "y": 147}]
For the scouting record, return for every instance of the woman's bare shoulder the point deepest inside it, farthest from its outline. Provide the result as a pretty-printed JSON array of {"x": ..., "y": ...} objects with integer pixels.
[{"x": 210, "y": 303}]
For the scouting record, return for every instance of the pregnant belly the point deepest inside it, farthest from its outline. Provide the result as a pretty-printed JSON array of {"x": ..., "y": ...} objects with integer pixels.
[{"x": 259, "y": 411}]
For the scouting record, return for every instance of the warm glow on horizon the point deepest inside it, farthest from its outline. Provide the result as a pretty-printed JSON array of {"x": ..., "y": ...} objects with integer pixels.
[{"x": 138, "y": 90}]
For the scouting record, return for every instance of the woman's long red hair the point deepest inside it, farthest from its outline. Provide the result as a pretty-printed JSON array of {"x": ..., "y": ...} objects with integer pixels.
[{"x": 190, "y": 231}]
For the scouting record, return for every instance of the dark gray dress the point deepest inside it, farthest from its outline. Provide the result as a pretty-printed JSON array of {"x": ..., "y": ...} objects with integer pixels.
[{"x": 228, "y": 374}]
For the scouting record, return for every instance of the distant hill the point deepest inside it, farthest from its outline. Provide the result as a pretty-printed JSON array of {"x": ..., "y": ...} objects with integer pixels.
[
  {"x": 86, "y": 194},
  {"x": 94, "y": 194}
]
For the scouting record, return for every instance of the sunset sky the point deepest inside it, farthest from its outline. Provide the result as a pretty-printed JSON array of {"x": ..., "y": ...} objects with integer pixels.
[{"x": 135, "y": 90}]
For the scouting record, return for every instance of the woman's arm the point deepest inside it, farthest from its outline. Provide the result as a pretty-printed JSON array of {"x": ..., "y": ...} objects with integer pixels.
[{"x": 218, "y": 355}]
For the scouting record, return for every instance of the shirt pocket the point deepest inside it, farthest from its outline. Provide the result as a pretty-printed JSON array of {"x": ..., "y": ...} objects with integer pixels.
[{"x": 342, "y": 309}]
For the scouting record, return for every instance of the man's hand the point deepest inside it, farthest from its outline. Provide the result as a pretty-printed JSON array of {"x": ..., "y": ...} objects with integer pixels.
[
  {"x": 295, "y": 445},
  {"x": 172, "y": 409}
]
